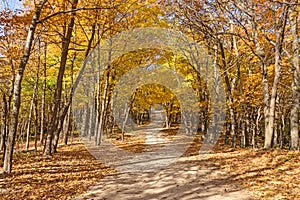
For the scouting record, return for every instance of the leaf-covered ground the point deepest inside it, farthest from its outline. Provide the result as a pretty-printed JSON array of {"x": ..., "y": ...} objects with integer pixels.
[
  {"x": 131, "y": 143},
  {"x": 266, "y": 174},
  {"x": 272, "y": 174},
  {"x": 65, "y": 175}
]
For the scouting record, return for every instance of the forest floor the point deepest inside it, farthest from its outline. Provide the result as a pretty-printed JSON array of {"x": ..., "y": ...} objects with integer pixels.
[{"x": 225, "y": 173}]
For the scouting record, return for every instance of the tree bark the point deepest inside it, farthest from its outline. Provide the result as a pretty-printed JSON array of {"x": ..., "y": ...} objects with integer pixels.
[
  {"x": 103, "y": 103},
  {"x": 265, "y": 86},
  {"x": 279, "y": 29},
  {"x": 29, "y": 124},
  {"x": 230, "y": 97},
  {"x": 294, "y": 20},
  {"x": 67, "y": 124},
  {"x": 17, "y": 89},
  {"x": 4, "y": 114},
  {"x": 36, "y": 98},
  {"x": 43, "y": 108},
  {"x": 128, "y": 106},
  {"x": 58, "y": 91}
]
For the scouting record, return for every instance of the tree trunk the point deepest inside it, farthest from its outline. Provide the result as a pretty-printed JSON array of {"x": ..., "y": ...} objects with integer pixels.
[
  {"x": 58, "y": 91},
  {"x": 67, "y": 124},
  {"x": 36, "y": 98},
  {"x": 128, "y": 106},
  {"x": 43, "y": 108},
  {"x": 126, "y": 114},
  {"x": 17, "y": 89},
  {"x": 29, "y": 124},
  {"x": 279, "y": 28},
  {"x": 103, "y": 102},
  {"x": 92, "y": 119},
  {"x": 265, "y": 86},
  {"x": 33, "y": 107},
  {"x": 4, "y": 126},
  {"x": 294, "y": 20},
  {"x": 243, "y": 115},
  {"x": 230, "y": 97},
  {"x": 102, "y": 112},
  {"x": 216, "y": 84},
  {"x": 257, "y": 122},
  {"x": 86, "y": 119}
]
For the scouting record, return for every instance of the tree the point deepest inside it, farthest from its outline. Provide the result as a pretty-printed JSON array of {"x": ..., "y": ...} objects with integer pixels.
[
  {"x": 58, "y": 91},
  {"x": 17, "y": 89},
  {"x": 294, "y": 21}
]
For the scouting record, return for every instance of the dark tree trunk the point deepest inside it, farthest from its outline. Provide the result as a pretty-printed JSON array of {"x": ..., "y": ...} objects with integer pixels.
[{"x": 54, "y": 121}]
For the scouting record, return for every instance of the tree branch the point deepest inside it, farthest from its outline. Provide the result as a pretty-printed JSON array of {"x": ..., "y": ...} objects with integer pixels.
[{"x": 75, "y": 10}]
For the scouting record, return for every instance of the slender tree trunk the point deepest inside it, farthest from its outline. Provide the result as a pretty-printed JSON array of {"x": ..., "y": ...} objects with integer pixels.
[
  {"x": 36, "y": 121},
  {"x": 17, "y": 89},
  {"x": 271, "y": 117},
  {"x": 279, "y": 28},
  {"x": 281, "y": 132},
  {"x": 167, "y": 117},
  {"x": 216, "y": 83},
  {"x": 243, "y": 115},
  {"x": 92, "y": 116},
  {"x": 126, "y": 114},
  {"x": 230, "y": 97},
  {"x": 257, "y": 122},
  {"x": 63, "y": 113},
  {"x": 29, "y": 124},
  {"x": 128, "y": 106},
  {"x": 276, "y": 129},
  {"x": 295, "y": 108},
  {"x": 33, "y": 106},
  {"x": 22, "y": 129},
  {"x": 103, "y": 104},
  {"x": 36, "y": 98},
  {"x": 244, "y": 125},
  {"x": 54, "y": 122},
  {"x": 4, "y": 126},
  {"x": 265, "y": 86},
  {"x": 254, "y": 133},
  {"x": 98, "y": 91},
  {"x": 43, "y": 108},
  {"x": 67, "y": 124},
  {"x": 86, "y": 119}
]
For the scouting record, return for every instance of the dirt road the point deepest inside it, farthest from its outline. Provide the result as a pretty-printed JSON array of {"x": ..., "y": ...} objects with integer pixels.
[{"x": 160, "y": 173}]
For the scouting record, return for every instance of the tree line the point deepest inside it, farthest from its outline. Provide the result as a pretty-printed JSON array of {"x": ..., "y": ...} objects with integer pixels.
[{"x": 253, "y": 44}]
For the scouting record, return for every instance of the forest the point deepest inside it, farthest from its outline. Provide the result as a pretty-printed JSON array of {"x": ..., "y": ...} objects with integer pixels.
[{"x": 75, "y": 73}]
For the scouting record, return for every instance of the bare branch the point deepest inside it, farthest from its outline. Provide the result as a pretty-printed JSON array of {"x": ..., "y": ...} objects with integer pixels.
[{"x": 75, "y": 10}]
